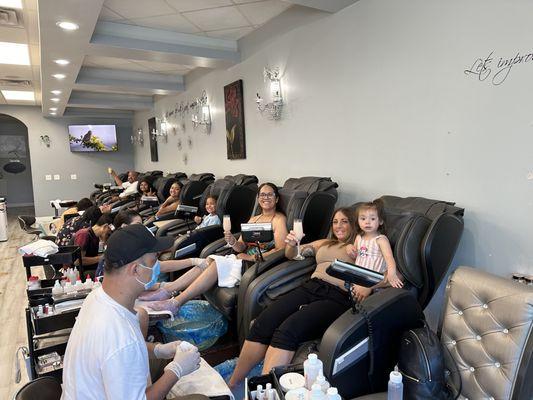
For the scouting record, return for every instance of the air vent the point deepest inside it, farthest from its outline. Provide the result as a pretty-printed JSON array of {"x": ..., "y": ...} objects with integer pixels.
[
  {"x": 10, "y": 17},
  {"x": 21, "y": 83}
]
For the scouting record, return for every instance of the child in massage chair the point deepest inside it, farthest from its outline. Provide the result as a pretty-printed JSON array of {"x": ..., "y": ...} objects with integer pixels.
[
  {"x": 211, "y": 218},
  {"x": 372, "y": 248},
  {"x": 157, "y": 292}
]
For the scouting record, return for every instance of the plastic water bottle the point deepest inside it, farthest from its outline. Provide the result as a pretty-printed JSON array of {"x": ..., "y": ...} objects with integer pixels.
[
  {"x": 317, "y": 393},
  {"x": 333, "y": 394},
  {"x": 57, "y": 289},
  {"x": 395, "y": 391},
  {"x": 312, "y": 368},
  {"x": 88, "y": 285},
  {"x": 324, "y": 384}
]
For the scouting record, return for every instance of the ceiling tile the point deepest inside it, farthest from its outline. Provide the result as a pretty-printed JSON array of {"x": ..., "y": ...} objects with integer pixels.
[
  {"x": 233, "y": 34},
  {"x": 259, "y": 13},
  {"x": 173, "y": 22},
  {"x": 139, "y": 9},
  {"x": 217, "y": 18},
  {"x": 107, "y": 15},
  {"x": 192, "y": 5}
]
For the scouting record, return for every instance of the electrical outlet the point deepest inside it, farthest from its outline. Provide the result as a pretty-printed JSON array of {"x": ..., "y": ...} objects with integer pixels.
[
  {"x": 57, "y": 177},
  {"x": 48, "y": 177},
  {"x": 73, "y": 177}
]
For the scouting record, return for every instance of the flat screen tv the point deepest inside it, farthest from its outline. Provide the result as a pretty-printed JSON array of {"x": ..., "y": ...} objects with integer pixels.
[{"x": 89, "y": 138}]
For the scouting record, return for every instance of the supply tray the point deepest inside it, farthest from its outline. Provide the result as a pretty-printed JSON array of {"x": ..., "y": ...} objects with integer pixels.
[
  {"x": 46, "y": 288},
  {"x": 65, "y": 255},
  {"x": 272, "y": 378},
  {"x": 47, "y": 324}
]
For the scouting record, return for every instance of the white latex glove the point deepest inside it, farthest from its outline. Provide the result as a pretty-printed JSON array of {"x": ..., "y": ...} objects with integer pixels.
[
  {"x": 166, "y": 351},
  {"x": 184, "y": 362}
]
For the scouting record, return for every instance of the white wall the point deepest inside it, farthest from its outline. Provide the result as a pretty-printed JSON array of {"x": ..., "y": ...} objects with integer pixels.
[
  {"x": 58, "y": 159},
  {"x": 377, "y": 98}
]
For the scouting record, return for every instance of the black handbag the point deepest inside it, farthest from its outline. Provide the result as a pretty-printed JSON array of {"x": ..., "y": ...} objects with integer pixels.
[{"x": 421, "y": 362}]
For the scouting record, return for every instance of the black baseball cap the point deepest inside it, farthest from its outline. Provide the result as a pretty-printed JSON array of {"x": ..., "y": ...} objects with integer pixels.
[{"x": 131, "y": 242}]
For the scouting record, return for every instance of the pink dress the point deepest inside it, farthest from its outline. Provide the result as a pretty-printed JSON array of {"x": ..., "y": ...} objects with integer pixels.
[{"x": 369, "y": 254}]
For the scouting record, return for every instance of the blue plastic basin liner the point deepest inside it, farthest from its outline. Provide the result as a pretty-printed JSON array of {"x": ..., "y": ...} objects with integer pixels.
[{"x": 197, "y": 322}]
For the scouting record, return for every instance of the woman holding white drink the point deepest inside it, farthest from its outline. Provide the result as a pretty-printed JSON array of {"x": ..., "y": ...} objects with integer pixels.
[
  {"x": 226, "y": 271},
  {"x": 305, "y": 312}
]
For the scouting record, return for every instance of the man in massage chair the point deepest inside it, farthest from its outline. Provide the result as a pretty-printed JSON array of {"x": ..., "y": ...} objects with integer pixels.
[{"x": 130, "y": 185}]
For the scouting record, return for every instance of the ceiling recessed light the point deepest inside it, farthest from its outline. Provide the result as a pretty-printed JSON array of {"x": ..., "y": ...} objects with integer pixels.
[
  {"x": 56, "y": 92},
  {"x": 53, "y": 108},
  {"x": 11, "y": 3},
  {"x": 59, "y": 76},
  {"x": 67, "y": 25},
  {"x": 53, "y": 113},
  {"x": 14, "y": 53},
  {"x": 18, "y": 95},
  {"x": 62, "y": 62},
  {"x": 55, "y": 99}
]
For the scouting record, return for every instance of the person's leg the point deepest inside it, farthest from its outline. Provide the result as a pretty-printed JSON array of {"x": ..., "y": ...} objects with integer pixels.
[
  {"x": 275, "y": 357},
  {"x": 262, "y": 330},
  {"x": 308, "y": 323},
  {"x": 165, "y": 292},
  {"x": 177, "y": 265},
  {"x": 205, "y": 281},
  {"x": 251, "y": 354},
  {"x": 199, "y": 284},
  {"x": 184, "y": 281}
]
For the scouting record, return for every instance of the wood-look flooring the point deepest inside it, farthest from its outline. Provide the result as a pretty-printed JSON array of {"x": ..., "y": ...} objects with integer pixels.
[{"x": 13, "y": 301}]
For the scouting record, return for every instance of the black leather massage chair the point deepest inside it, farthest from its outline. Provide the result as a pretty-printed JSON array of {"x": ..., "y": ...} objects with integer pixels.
[
  {"x": 233, "y": 199},
  {"x": 315, "y": 209},
  {"x": 424, "y": 235}
]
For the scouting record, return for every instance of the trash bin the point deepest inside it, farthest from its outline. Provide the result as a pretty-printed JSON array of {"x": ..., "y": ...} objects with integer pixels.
[
  {"x": 197, "y": 322},
  {"x": 3, "y": 220}
]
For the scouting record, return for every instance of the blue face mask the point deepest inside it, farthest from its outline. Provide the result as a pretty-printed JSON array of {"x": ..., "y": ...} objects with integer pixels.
[{"x": 156, "y": 269}]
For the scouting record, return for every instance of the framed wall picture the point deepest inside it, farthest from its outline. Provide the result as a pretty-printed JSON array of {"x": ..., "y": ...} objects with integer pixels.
[
  {"x": 235, "y": 138},
  {"x": 153, "y": 142}
]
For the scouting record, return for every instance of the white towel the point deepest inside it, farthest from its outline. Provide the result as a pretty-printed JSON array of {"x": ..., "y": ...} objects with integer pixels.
[
  {"x": 40, "y": 248},
  {"x": 229, "y": 270},
  {"x": 205, "y": 380}
]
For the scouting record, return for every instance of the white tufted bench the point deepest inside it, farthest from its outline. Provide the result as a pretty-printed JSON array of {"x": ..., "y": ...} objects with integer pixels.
[{"x": 487, "y": 326}]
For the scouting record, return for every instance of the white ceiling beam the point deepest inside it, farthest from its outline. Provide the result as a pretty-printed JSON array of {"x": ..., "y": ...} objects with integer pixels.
[
  {"x": 139, "y": 43},
  {"x": 109, "y": 101},
  {"x": 98, "y": 113},
  {"x": 331, "y": 6},
  {"x": 113, "y": 81}
]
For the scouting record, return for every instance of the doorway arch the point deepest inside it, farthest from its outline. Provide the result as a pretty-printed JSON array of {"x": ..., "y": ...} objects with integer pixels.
[{"x": 16, "y": 183}]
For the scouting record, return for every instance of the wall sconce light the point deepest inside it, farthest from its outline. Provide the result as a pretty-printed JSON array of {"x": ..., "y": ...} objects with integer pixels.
[
  {"x": 275, "y": 107},
  {"x": 46, "y": 140},
  {"x": 162, "y": 132},
  {"x": 137, "y": 137},
  {"x": 202, "y": 113}
]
